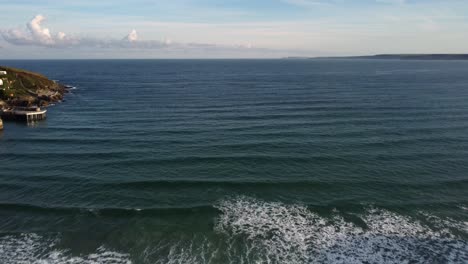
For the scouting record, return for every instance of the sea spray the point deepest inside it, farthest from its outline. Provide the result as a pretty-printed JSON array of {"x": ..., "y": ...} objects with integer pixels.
[{"x": 291, "y": 233}]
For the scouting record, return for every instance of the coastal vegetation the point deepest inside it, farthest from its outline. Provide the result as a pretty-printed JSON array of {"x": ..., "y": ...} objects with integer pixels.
[{"x": 24, "y": 88}]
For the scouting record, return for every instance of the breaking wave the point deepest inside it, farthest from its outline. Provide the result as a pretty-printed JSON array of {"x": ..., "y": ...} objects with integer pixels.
[
  {"x": 36, "y": 249},
  {"x": 281, "y": 233},
  {"x": 254, "y": 231},
  {"x": 249, "y": 230}
]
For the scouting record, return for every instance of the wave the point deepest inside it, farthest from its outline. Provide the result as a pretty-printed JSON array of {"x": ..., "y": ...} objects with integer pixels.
[
  {"x": 248, "y": 230},
  {"x": 291, "y": 186},
  {"x": 33, "y": 248},
  {"x": 294, "y": 234},
  {"x": 112, "y": 212},
  {"x": 242, "y": 183}
]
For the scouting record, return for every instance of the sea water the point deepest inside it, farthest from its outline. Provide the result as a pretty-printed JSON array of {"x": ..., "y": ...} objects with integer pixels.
[{"x": 240, "y": 161}]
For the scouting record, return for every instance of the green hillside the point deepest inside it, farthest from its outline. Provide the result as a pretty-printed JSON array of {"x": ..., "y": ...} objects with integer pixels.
[{"x": 24, "y": 88}]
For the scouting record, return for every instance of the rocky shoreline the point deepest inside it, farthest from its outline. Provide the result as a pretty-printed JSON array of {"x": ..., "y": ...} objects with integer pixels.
[{"x": 21, "y": 88}]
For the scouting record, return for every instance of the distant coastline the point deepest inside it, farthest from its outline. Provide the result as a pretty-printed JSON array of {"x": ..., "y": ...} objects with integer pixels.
[{"x": 394, "y": 57}]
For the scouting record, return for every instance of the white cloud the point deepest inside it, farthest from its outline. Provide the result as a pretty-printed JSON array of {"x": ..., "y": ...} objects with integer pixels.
[
  {"x": 61, "y": 36},
  {"x": 35, "y": 34},
  {"x": 132, "y": 36},
  {"x": 42, "y": 35},
  {"x": 167, "y": 41}
]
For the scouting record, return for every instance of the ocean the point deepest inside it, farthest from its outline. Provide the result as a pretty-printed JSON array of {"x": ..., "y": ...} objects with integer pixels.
[{"x": 240, "y": 161}]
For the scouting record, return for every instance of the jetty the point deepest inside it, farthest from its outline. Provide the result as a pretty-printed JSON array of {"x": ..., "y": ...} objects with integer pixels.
[{"x": 28, "y": 114}]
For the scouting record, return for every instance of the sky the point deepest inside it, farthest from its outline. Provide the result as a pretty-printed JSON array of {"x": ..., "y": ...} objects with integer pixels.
[{"x": 107, "y": 29}]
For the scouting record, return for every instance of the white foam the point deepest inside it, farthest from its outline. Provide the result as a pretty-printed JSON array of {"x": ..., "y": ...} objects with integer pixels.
[
  {"x": 254, "y": 231},
  {"x": 293, "y": 234},
  {"x": 35, "y": 249}
]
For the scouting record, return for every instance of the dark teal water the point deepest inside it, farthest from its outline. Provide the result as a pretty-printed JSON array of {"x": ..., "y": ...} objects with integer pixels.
[{"x": 241, "y": 161}]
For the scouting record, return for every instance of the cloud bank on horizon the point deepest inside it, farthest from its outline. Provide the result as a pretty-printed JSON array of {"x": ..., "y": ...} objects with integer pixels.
[
  {"x": 36, "y": 34},
  {"x": 231, "y": 28}
]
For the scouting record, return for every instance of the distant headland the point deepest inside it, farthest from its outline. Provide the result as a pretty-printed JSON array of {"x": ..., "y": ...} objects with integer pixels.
[
  {"x": 396, "y": 57},
  {"x": 21, "y": 88}
]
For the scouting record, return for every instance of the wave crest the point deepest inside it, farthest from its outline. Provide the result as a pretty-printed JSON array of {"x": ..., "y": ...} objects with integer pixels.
[
  {"x": 282, "y": 233},
  {"x": 33, "y": 248},
  {"x": 248, "y": 230}
]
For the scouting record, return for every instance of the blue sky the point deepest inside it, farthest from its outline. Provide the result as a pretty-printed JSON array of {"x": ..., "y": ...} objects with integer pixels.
[{"x": 230, "y": 28}]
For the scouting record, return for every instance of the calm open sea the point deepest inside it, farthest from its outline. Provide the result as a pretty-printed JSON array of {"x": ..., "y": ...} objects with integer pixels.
[{"x": 241, "y": 161}]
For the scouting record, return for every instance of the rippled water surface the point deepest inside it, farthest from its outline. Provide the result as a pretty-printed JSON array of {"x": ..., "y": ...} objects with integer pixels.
[{"x": 241, "y": 161}]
